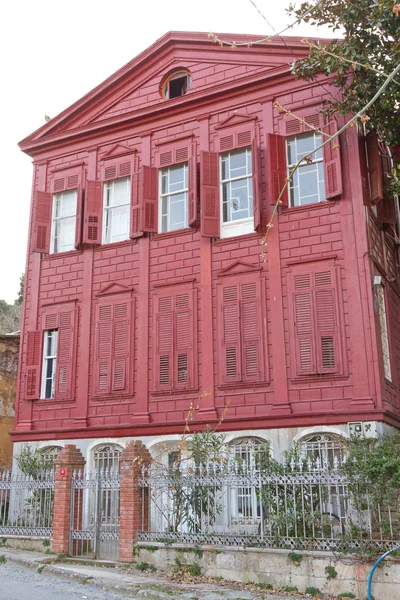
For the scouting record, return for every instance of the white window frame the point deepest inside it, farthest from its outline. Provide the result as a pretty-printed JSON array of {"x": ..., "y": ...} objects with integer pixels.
[
  {"x": 240, "y": 226},
  {"x": 57, "y": 223},
  {"x": 169, "y": 196},
  {"x": 314, "y": 161},
  {"x": 243, "y": 449},
  {"x": 109, "y": 208},
  {"x": 46, "y": 358},
  {"x": 384, "y": 332}
]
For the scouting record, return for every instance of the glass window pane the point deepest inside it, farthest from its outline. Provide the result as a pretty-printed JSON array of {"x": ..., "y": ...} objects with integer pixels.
[
  {"x": 120, "y": 191},
  {"x": 119, "y": 223},
  {"x": 68, "y": 204},
  {"x": 176, "y": 179},
  {"x": 66, "y": 234},
  {"x": 237, "y": 163}
]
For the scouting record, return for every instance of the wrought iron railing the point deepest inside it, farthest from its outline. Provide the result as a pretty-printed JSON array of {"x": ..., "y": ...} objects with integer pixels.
[
  {"x": 235, "y": 503},
  {"x": 26, "y": 503}
]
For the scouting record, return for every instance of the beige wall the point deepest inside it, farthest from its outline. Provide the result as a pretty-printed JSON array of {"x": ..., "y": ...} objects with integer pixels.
[{"x": 9, "y": 348}]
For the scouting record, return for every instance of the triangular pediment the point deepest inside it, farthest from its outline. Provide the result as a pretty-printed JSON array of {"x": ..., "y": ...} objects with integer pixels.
[
  {"x": 238, "y": 267},
  {"x": 116, "y": 151},
  {"x": 135, "y": 91},
  {"x": 236, "y": 119},
  {"x": 114, "y": 288}
]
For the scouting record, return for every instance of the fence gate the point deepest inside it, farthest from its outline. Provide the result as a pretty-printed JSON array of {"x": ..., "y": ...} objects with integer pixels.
[{"x": 95, "y": 514}]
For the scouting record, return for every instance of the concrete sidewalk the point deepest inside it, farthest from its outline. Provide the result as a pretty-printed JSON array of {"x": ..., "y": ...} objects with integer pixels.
[{"x": 127, "y": 581}]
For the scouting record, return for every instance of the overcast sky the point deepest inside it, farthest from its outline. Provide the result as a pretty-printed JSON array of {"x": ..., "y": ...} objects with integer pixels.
[{"x": 53, "y": 52}]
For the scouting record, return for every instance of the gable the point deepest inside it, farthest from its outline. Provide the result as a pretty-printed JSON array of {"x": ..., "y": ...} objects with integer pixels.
[{"x": 135, "y": 88}]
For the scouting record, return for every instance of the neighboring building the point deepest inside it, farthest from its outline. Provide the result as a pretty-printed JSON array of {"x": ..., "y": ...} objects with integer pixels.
[
  {"x": 146, "y": 292},
  {"x": 9, "y": 351}
]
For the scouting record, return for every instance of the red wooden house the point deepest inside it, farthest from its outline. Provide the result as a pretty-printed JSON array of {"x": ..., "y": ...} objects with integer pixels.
[{"x": 146, "y": 289}]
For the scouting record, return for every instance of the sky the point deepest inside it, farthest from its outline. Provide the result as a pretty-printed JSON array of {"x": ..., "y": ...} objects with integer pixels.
[{"x": 54, "y": 52}]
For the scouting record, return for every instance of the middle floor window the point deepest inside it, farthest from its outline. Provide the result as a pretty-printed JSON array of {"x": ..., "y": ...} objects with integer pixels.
[
  {"x": 173, "y": 212},
  {"x": 236, "y": 193},
  {"x": 63, "y": 222},
  {"x": 117, "y": 197},
  {"x": 49, "y": 363},
  {"x": 307, "y": 185}
]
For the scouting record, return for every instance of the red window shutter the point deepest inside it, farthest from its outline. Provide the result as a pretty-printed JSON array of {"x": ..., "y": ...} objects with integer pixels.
[
  {"x": 332, "y": 163},
  {"x": 92, "y": 229},
  {"x": 104, "y": 331},
  {"x": 42, "y": 222},
  {"x": 209, "y": 194},
  {"x": 374, "y": 168},
  {"x": 386, "y": 211},
  {"x": 136, "y": 226},
  {"x": 183, "y": 340},
  {"x": 304, "y": 325},
  {"x": 121, "y": 346},
  {"x": 250, "y": 331},
  {"x": 256, "y": 172},
  {"x": 192, "y": 194},
  {"x": 79, "y": 210},
  {"x": 325, "y": 320},
  {"x": 149, "y": 198},
  {"x": 364, "y": 171},
  {"x": 164, "y": 342},
  {"x": 33, "y": 360},
  {"x": 230, "y": 334},
  {"x": 277, "y": 169},
  {"x": 65, "y": 359}
]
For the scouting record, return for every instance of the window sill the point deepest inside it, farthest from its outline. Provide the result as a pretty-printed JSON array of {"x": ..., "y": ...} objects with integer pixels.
[
  {"x": 112, "y": 397},
  {"x": 53, "y": 401},
  {"x": 243, "y": 236},
  {"x": 49, "y": 257},
  {"x": 243, "y": 384},
  {"x": 170, "y": 234},
  {"x": 314, "y": 206},
  {"x": 317, "y": 376},
  {"x": 174, "y": 391},
  {"x": 122, "y": 243}
]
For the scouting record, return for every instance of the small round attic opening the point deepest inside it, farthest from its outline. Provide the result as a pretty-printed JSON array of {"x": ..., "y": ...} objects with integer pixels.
[{"x": 176, "y": 84}]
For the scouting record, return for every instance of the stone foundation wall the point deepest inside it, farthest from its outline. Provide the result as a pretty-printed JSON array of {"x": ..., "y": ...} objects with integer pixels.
[{"x": 278, "y": 568}]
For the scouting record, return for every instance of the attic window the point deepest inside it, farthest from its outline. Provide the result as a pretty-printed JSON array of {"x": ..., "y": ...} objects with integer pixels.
[{"x": 176, "y": 84}]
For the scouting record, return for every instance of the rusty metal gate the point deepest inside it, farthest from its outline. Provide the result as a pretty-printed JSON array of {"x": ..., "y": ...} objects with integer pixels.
[{"x": 95, "y": 513}]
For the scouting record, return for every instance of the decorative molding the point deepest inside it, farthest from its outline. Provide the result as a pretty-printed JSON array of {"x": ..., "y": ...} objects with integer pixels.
[
  {"x": 316, "y": 258},
  {"x": 237, "y": 267},
  {"x": 175, "y": 140},
  {"x": 73, "y": 165},
  {"x": 114, "y": 288},
  {"x": 175, "y": 281},
  {"x": 237, "y": 119},
  {"x": 61, "y": 303},
  {"x": 116, "y": 151}
]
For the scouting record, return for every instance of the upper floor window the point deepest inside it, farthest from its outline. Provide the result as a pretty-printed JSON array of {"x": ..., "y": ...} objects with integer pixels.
[
  {"x": 307, "y": 185},
  {"x": 236, "y": 193},
  {"x": 173, "y": 212},
  {"x": 63, "y": 221},
  {"x": 116, "y": 202},
  {"x": 176, "y": 85},
  {"x": 49, "y": 363}
]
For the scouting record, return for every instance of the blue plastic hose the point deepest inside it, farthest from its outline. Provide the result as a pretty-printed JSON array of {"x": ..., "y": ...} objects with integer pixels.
[{"x": 374, "y": 567}]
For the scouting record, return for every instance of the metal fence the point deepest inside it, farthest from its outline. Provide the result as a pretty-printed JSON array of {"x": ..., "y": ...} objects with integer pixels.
[
  {"x": 234, "y": 503},
  {"x": 95, "y": 513},
  {"x": 26, "y": 503}
]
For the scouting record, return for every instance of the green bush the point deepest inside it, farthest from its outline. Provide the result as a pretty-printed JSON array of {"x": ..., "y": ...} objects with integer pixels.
[{"x": 313, "y": 591}]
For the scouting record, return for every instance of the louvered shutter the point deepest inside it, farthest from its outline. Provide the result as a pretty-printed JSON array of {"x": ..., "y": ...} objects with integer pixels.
[
  {"x": 325, "y": 323},
  {"x": 92, "y": 228},
  {"x": 164, "y": 342},
  {"x": 230, "y": 359},
  {"x": 304, "y": 325},
  {"x": 332, "y": 163},
  {"x": 256, "y": 173},
  {"x": 277, "y": 168},
  {"x": 42, "y": 222},
  {"x": 364, "y": 171},
  {"x": 104, "y": 334},
  {"x": 374, "y": 168},
  {"x": 79, "y": 211},
  {"x": 149, "y": 198},
  {"x": 121, "y": 346},
  {"x": 183, "y": 340},
  {"x": 136, "y": 216},
  {"x": 33, "y": 360},
  {"x": 64, "y": 362},
  {"x": 192, "y": 193},
  {"x": 386, "y": 211},
  {"x": 250, "y": 331},
  {"x": 209, "y": 194}
]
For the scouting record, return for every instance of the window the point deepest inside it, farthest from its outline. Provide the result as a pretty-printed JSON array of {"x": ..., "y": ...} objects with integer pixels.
[
  {"x": 49, "y": 455},
  {"x": 245, "y": 507},
  {"x": 176, "y": 85},
  {"x": 49, "y": 363},
  {"x": 236, "y": 192},
  {"x": 241, "y": 332},
  {"x": 106, "y": 457},
  {"x": 323, "y": 448},
  {"x": 116, "y": 199},
  {"x": 63, "y": 221},
  {"x": 315, "y": 319},
  {"x": 173, "y": 198},
  {"x": 307, "y": 185},
  {"x": 380, "y": 296}
]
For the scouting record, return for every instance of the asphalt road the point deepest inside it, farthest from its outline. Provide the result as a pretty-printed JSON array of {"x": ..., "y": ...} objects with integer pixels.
[{"x": 17, "y": 583}]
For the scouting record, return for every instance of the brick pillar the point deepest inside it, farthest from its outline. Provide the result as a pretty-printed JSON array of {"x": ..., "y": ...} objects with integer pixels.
[
  {"x": 132, "y": 499},
  {"x": 70, "y": 459}
]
